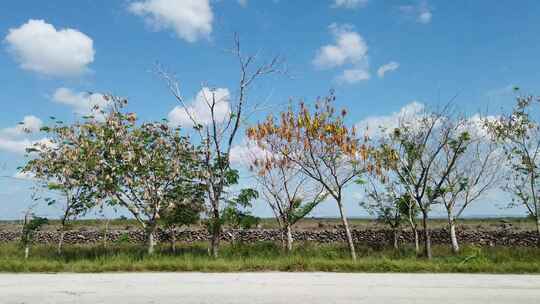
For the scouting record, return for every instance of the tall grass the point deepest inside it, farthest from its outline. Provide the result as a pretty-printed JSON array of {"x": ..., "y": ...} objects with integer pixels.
[{"x": 265, "y": 256}]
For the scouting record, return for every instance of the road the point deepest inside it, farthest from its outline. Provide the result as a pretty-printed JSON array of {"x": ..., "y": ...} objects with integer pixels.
[{"x": 271, "y": 287}]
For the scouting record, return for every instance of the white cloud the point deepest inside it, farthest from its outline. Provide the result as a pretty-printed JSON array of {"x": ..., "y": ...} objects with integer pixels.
[
  {"x": 348, "y": 47},
  {"x": 376, "y": 125},
  {"x": 190, "y": 19},
  {"x": 24, "y": 175},
  {"x": 243, "y": 3},
  {"x": 15, "y": 139},
  {"x": 200, "y": 109},
  {"x": 350, "y": 76},
  {"x": 350, "y": 3},
  {"x": 421, "y": 12},
  {"x": 83, "y": 103},
  {"x": 247, "y": 153},
  {"x": 39, "y": 47},
  {"x": 391, "y": 66},
  {"x": 29, "y": 124}
]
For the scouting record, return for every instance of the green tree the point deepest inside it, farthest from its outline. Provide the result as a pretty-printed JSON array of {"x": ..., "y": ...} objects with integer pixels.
[
  {"x": 145, "y": 168},
  {"x": 66, "y": 164}
]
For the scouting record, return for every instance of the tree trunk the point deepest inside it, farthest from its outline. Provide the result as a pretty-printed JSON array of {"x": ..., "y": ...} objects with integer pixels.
[
  {"x": 61, "y": 241},
  {"x": 173, "y": 240},
  {"x": 26, "y": 252},
  {"x": 216, "y": 230},
  {"x": 427, "y": 236},
  {"x": 416, "y": 241},
  {"x": 396, "y": 238},
  {"x": 150, "y": 238},
  {"x": 538, "y": 226},
  {"x": 289, "y": 238},
  {"x": 347, "y": 229},
  {"x": 453, "y": 236}
]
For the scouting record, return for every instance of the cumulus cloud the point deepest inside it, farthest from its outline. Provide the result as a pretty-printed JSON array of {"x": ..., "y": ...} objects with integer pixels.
[
  {"x": 82, "y": 103},
  {"x": 348, "y": 47},
  {"x": 246, "y": 153},
  {"x": 29, "y": 124},
  {"x": 377, "y": 125},
  {"x": 39, "y": 47},
  {"x": 421, "y": 12},
  {"x": 389, "y": 67},
  {"x": 199, "y": 109},
  {"x": 351, "y": 76},
  {"x": 243, "y": 3},
  {"x": 19, "y": 145},
  {"x": 190, "y": 19},
  {"x": 350, "y": 3}
]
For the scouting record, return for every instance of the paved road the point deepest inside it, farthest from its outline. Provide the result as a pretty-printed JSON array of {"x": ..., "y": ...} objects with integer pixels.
[{"x": 272, "y": 287}]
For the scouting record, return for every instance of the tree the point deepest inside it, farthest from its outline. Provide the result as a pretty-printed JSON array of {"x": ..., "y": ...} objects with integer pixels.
[
  {"x": 217, "y": 135},
  {"x": 236, "y": 213},
  {"x": 385, "y": 201},
  {"x": 66, "y": 164},
  {"x": 290, "y": 194},
  {"x": 519, "y": 135},
  {"x": 321, "y": 145},
  {"x": 478, "y": 171},
  {"x": 146, "y": 168},
  {"x": 31, "y": 225},
  {"x": 412, "y": 151},
  {"x": 181, "y": 214}
]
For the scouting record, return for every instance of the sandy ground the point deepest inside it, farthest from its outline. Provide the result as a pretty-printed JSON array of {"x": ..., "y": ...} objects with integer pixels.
[{"x": 271, "y": 287}]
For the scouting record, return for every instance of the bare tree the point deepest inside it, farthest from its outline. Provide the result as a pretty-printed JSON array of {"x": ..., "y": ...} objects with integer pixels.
[
  {"x": 412, "y": 151},
  {"x": 518, "y": 133},
  {"x": 217, "y": 134},
  {"x": 478, "y": 171}
]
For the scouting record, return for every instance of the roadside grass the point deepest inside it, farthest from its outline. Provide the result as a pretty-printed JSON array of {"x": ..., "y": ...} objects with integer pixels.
[{"x": 266, "y": 256}]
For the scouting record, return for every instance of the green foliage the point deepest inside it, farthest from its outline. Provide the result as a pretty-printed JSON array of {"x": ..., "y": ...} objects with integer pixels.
[
  {"x": 30, "y": 228},
  {"x": 236, "y": 213}
]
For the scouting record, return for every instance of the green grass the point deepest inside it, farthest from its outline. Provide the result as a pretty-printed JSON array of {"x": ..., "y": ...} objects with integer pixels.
[{"x": 266, "y": 257}]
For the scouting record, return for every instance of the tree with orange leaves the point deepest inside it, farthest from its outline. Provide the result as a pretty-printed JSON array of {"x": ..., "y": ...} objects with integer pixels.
[{"x": 320, "y": 144}]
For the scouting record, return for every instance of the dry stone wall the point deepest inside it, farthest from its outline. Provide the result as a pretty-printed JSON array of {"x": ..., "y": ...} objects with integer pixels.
[{"x": 373, "y": 238}]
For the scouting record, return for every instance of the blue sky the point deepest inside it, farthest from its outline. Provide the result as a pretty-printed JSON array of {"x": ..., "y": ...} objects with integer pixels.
[{"x": 432, "y": 51}]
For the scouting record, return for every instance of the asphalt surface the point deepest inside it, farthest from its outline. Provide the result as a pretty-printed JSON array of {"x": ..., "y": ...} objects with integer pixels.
[{"x": 270, "y": 287}]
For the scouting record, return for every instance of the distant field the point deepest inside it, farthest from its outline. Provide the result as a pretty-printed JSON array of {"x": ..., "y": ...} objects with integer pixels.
[{"x": 514, "y": 223}]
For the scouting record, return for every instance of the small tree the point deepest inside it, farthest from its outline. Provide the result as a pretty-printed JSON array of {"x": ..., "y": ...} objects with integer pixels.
[
  {"x": 31, "y": 225},
  {"x": 478, "y": 171},
  {"x": 290, "y": 194},
  {"x": 390, "y": 206},
  {"x": 519, "y": 135},
  {"x": 236, "y": 213},
  {"x": 66, "y": 164},
  {"x": 321, "y": 145},
  {"x": 180, "y": 214}
]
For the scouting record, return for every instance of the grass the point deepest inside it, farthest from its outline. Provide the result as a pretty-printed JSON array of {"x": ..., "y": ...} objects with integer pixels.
[{"x": 265, "y": 256}]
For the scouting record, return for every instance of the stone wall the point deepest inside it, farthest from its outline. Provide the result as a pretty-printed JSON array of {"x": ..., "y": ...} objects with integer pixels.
[{"x": 374, "y": 238}]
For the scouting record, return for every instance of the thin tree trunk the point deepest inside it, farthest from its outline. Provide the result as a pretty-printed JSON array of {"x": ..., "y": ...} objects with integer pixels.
[
  {"x": 427, "y": 236},
  {"x": 173, "y": 240},
  {"x": 150, "y": 238},
  {"x": 289, "y": 238},
  {"x": 216, "y": 231},
  {"x": 26, "y": 252},
  {"x": 395, "y": 232},
  {"x": 453, "y": 236},
  {"x": 347, "y": 229},
  {"x": 61, "y": 241},
  {"x": 416, "y": 241}
]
